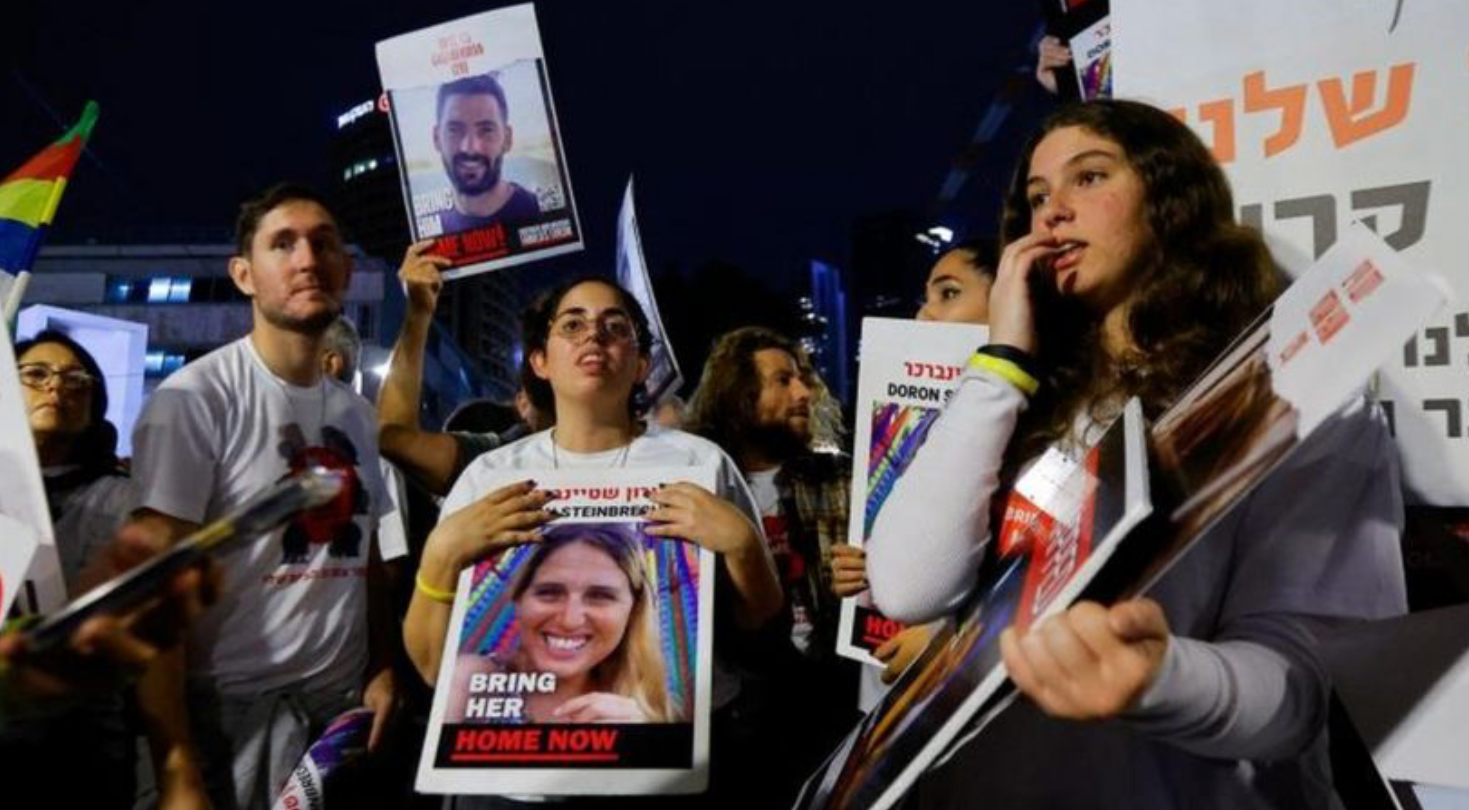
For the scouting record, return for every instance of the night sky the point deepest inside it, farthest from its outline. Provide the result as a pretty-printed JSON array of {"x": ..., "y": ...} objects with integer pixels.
[{"x": 759, "y": 132}]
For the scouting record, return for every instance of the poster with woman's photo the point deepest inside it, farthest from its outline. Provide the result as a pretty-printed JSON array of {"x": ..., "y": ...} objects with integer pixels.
[
  {"x": 908, "y": 370},
  {"x": 479, "y": 149},
  {"x": 579, "y": 663}
]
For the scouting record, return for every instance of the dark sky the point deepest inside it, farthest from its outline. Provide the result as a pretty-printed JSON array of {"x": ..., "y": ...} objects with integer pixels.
[{"x": 758, "y": 131}]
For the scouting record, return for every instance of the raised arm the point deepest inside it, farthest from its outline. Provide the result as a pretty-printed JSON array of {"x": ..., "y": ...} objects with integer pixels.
[{"x": 430, "y": 456}]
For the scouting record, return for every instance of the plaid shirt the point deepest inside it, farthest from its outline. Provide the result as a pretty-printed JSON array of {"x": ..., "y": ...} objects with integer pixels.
[{"x": 815, "y": 489}]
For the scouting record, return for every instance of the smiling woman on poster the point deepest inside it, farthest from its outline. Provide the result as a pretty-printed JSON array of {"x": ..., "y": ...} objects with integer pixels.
[{"x": 586, "y": 613}]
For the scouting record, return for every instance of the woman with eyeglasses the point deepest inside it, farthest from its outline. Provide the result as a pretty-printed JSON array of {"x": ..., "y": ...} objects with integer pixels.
[
  {"x": 588, "y": 350},
  {"x": 90, "y": 496}
]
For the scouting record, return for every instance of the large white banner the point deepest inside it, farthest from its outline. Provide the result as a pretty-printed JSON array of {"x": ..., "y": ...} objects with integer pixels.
[
  {"x": 30, "y": 570},
  {"x": 1325, "y": 112}
]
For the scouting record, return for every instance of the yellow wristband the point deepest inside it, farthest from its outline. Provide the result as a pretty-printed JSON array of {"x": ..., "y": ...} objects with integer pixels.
[
  {"x": 436, "y": 594},
  {"x": 1007, "y": 371}
]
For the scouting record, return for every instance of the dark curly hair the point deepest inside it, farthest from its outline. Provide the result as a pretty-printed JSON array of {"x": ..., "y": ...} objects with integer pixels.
[
  {"x": 535, "y": 329},
  {"x": 1200, "y": 279}
]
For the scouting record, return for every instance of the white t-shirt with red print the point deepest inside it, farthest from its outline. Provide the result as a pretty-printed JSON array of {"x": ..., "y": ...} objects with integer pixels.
[{"x": 293, "y": 605}]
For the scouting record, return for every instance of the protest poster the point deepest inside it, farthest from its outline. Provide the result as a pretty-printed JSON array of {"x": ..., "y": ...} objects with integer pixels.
[
  {"x": 1323, "y": 113},
  {"x": 341, "y": 749},
  {"x": 1307, "y": 355},
  {"x": 30, "y": 569},
  {"x": 908, "y": 370},
  {"x": 1091, "y": 55},
  {"x": 478, "y": 146},
  {"x": 581, "y": 663},
  {"x": 632, "y": 274}
]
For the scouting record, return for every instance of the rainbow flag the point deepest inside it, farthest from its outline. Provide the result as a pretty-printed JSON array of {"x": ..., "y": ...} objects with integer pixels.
[{"x": 30, "y": 195}]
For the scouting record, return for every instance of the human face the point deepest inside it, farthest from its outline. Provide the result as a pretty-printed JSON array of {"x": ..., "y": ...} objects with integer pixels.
[
  {"x": 55, "y": 408},
  {"x": 574, "y": 612},
  {"x": 785, "y": 399},
  {"x": 297, "y": 269},
  {"x": 472, "y": 138},
  {"x": 956, "y": 292},
  {"x": 1088, "y": 199},
  {"x": 602, "y": 360}
]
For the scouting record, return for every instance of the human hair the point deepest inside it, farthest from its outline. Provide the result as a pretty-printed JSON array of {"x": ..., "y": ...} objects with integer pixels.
[
  {"x": 635, "y": 669},
  {"x": 247, "y": 222},
  {"x": 95, "y": 448},
  {"x": 1199, "y": 279},
  {"x": 535, "y": 330},
  {"x": 342, "y": 337},
  {"x": 723, "y": 409},
  {"x": 981, "y": 253},
  {"x": 483, "y": 84}
]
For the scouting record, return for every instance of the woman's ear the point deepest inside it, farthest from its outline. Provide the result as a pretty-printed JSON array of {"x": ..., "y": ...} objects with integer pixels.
[{"x": 538, "y": 364}]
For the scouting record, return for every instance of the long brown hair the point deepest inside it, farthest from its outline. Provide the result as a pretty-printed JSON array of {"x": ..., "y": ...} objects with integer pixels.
[{"x": 1200, "y": 279}]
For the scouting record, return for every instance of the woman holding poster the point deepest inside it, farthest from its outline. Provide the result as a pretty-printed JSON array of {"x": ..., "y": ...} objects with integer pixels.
[
  {"x": 1123, "y": 275},
  {"x": 586, "y": 615}
]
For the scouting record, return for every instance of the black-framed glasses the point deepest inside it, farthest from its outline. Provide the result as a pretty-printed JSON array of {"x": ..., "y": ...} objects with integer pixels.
[
  {"x": 39, "y": 376},
  {"x": 576, "y": 327}
]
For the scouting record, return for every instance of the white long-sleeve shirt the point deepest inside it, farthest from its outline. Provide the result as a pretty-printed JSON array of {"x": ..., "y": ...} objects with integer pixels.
[{"x": 1234, "y": 717}]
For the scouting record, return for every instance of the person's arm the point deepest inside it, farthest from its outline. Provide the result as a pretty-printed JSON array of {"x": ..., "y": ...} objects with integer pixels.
[
  {"x": 929, "y": 537},
  {"x": 160, "y": 691},
  {"x": 429, "y": 456},
  {"x": 469, "y": 531}
]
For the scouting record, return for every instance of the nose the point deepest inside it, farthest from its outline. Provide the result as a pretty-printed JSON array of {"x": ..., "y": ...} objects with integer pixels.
[
  {"x": 800, "y": 390},
  {"x": 573, "y": 614},
  {"x": 923, "y": 313},
  {"x": 1056, "y": 210},
  {"x": 304, "y": 255}
]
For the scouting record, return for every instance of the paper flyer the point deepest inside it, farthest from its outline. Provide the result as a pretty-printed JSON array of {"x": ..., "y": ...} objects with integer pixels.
[
  {"x": 1091, "y": 54},
  {"x": 1302, "y": 359},
  {"x": 908, "y": 369},
  {"x": 479, "y": 149},
  {"x": 582, "y": 663},
  {"x": 30, "y": 569},
  {"x": 632, "y": 274}
]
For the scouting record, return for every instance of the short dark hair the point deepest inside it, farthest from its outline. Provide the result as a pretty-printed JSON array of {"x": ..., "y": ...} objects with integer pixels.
[
  {"x": 484, "y": 84},
  {"x": 535, "y": 330},
  {"x": 254, "y": 209},
  {"x": 982, "y": 253}
]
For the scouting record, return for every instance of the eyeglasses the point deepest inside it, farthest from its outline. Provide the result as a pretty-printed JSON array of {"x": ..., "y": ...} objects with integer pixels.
[
  {"x": 575, "y": 327},
  {"x": 40, "y": 376}
]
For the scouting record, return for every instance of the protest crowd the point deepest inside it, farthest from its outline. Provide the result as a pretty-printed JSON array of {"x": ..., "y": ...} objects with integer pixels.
[{"x": 1205, "y": 689}]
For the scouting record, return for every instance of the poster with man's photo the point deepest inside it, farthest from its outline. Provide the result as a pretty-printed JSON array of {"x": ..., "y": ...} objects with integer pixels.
[
  {"x": 1248, "y": 413},
  {"x": 479, "y": 149},
  {"x": 909, "y": 368},
  {"x": 579, "y": 663}
]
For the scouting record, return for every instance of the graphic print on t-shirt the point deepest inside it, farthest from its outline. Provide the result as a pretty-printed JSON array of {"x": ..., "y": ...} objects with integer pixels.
[{"x": 331, "y": 523}]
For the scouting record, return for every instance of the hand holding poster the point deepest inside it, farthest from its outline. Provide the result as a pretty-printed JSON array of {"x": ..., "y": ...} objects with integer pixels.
[
  {"x": 579, "y": 664},
  {"x": 479, "y": 152},
  {"x": 908, "y": 369}
]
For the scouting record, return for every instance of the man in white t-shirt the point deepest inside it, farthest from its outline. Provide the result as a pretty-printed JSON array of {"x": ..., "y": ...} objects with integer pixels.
[{"x": 288, "y": 645}]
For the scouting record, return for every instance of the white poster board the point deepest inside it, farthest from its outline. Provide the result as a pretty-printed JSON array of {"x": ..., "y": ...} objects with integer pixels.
[
  {"x": 479, "y": 148},
  {"x": 29, "y": 566},
  {"x": 528, "y": 667},
  {"x": 1323, "y": 113}
]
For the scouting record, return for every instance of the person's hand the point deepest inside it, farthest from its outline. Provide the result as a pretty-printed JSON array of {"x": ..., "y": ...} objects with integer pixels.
[
  {"x": 381, "y": 696},
  {"x": 1053, "y": 54},
  {"x": 848, "y": 570},
  {"x": 421, "y": 277},
  {"x": 1091, "y": 662},
  {"x": 184, "y": 791},
  {"x": 690, "y": 512},
  {"x": 899, "y": 652},
  {"x": 106, "y": 652},
  {"x": 509, "y": 516},
  {"x": 1012, "y": 307},
  {"x": 600, "y": 707}
]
